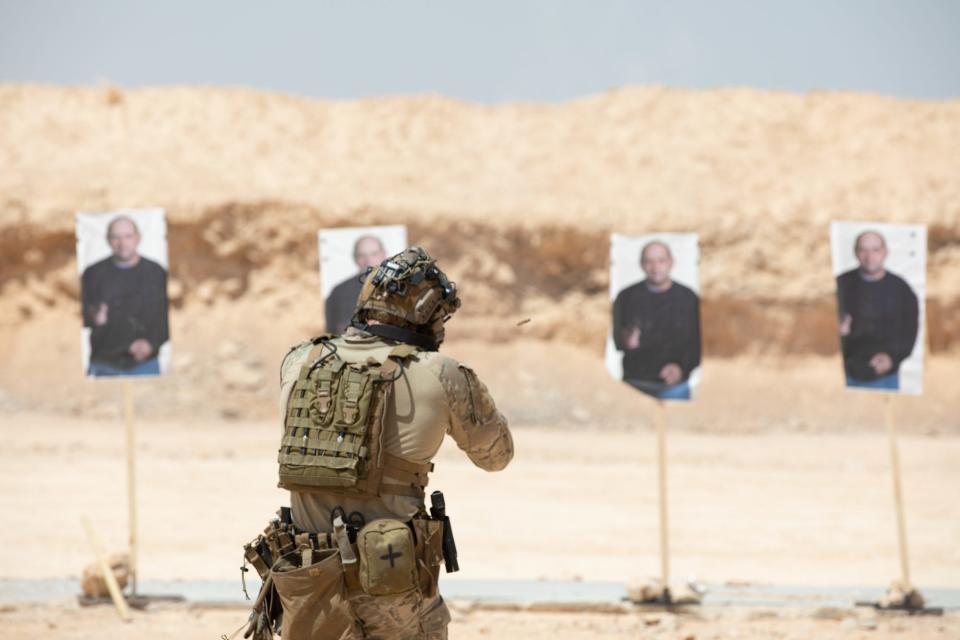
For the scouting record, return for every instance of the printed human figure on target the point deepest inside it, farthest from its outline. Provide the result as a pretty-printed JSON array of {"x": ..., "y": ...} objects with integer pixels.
[
  {"x": 881, "y": 277},
  {"x": 654, "y": 342},
  {"x": 345, "y": 255},
  {"x": 122, "y": 259}
]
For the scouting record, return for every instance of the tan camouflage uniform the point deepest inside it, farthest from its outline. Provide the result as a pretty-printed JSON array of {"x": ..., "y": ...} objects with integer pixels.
[{"x": 436, "y": 395}]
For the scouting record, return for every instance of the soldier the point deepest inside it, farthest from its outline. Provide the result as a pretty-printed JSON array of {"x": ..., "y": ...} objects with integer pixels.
[{"x": 364, "y": 414}]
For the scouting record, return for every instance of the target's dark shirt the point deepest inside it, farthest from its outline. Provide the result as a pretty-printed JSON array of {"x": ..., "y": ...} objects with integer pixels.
[
  {"x": 886, "y": 317},
  {"x": 341, "y": 303},
  {"x": 669, "y": 324},
  {"x": 136, "y": 299}
]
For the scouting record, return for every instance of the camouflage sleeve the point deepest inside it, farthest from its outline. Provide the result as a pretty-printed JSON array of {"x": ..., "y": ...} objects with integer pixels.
[{"x": 476, "y": 425}]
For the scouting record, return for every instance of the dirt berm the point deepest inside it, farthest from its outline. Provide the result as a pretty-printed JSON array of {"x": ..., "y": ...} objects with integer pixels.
[{"x": 517, "y": 200}]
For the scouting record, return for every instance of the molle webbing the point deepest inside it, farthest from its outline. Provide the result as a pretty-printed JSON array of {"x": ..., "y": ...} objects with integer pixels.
[{"x": 333, "y": 428}]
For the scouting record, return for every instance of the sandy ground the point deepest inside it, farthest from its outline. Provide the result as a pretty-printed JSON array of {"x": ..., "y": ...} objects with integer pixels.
[
  {"x": 780, "y": 508},
  {"x": 181, "y": 622},
  {"x": 782, "y": 484}
]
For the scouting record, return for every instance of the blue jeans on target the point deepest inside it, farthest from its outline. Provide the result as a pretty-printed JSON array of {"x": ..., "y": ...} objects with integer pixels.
[
  {"x": 890, "y": 382},
  {"x": 149, "y": 367},
  {"x": 679, "y": 391}
]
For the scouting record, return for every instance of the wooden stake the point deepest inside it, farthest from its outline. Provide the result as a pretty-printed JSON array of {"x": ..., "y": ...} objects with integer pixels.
[
  {"x": 898, "y": 495},
  {"x": 108, "y": 576},
  {"x": 131, "y": 481},
  {"x": 662, "y": 468}
]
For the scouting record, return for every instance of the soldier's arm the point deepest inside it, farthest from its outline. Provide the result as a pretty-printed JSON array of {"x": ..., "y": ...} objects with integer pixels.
[{"x": 476, "y": 425}]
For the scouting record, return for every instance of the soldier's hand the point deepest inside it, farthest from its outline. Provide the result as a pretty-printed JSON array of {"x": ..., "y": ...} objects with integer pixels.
[
  {"x": 140, "y": 349},
  {"x": 882, "y": 363},
  {"x": 845, "y": 323},
  {"x": 671, "y": 373}
]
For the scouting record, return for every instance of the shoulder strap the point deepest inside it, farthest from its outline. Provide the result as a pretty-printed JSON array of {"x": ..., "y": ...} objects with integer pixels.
[
  {"x": 394, "y": 359},
  {"x": 316, "y": 352},
  {"x": 403, "y": 351}
]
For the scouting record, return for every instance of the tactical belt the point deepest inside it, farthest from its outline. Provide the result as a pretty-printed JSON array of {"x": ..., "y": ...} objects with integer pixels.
[
  {"x": 281, "y": 537},
  {"x": 412, "y": 476}
]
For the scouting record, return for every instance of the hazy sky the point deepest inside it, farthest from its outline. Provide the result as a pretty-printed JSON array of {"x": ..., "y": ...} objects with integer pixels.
[{"x": 487, "y": 50}]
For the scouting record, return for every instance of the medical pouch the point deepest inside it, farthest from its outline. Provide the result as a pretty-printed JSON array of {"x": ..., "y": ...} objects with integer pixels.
[{"x": 388, "y": 558}]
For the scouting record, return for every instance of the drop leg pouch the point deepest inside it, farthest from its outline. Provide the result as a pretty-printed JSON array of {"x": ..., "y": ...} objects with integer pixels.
[{"x": 314, "y": 598}]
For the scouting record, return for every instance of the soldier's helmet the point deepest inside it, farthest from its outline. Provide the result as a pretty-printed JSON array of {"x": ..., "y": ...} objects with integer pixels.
[{"x": 410, "y": 294}]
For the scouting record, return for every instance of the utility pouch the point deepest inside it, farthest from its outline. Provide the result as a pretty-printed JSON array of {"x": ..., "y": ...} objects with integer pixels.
[
  {"x": 275, "y": 541},
  {"x": 429, "y": 534},
  {"x": 256, "y": 553},
  {"x": 388, "y": 563},
  {"x": 314, "y": 597}
]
